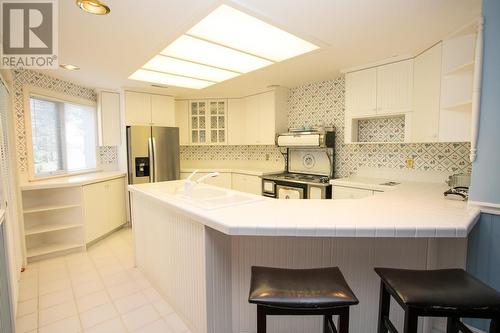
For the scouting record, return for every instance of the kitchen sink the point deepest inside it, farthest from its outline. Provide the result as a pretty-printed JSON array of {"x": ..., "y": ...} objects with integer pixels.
[{"x": 213, "y": 198}]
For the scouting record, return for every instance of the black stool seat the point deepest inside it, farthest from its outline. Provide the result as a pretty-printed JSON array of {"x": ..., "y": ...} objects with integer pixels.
[
  {"x": 443, "y": 288},
  {"x": 319, "y": 288},
  {"x": 449, "y": 293}
]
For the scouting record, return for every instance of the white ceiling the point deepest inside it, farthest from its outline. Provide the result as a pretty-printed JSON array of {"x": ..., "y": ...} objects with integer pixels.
[{"x": 350, "y": 32}]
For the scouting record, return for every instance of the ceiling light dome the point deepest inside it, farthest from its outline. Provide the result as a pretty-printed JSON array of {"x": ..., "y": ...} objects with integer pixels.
[{"x": 93, "y": 6}]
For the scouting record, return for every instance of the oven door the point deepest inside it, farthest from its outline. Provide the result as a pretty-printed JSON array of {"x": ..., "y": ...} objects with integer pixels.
[{"x": 289, "y": 192}]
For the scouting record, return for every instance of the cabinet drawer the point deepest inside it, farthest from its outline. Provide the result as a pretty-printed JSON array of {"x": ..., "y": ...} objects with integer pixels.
[{"x": 341, "y": 192}]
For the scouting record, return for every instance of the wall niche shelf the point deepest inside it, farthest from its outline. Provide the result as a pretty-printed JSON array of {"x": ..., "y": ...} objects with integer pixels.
[
  {"x": 49, "y": 227},
  {"x": 461, "y": 106},
  {"x": 49, "y": 248},
  {"x": 47, "y": 208},
  {"x": 462, "y": 69}
]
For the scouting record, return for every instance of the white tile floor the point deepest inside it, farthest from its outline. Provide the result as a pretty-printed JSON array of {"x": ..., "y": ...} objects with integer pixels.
[{"x": 98, "y": 291}]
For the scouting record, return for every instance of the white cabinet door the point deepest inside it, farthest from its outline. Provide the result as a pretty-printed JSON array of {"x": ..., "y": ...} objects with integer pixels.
[
  {"x": 361, "y": 93},
  {"x": 197, "y": 122},
  {"x": 267, "y": 118},
  {"x": 247, "y": 183},
  {"x": 109, "y": 119},
  {"x": 217, "y": 121},
  {"x": 395, "y": 87},
  {"x": 162, "y": 111},
  {"x": 137, "y": 108},
  {"x": 342, "y": 192},
  {"x": 94, "y": 211},
  {"x": 252, "y": 120},
  {"x": 104, "y": 207},
  {"x": 236, "y": 121},
  {"x": 426, "y": 92},
  {"x": 182, "y": 121},
  {"x": 116, "y": 206}
]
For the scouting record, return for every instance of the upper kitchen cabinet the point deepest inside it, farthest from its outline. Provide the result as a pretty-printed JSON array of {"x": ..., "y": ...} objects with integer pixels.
[
  {"x": 256, "y": 119},
  {"x": 427, "y": 94},
  {"x": 182, "y": 121},
  {"x": 108, "y": 118},
  {"x": 380, "y": 90},
  {"x": 208, "y": 121},
  {"x": 395, "y": 87},
  {"x": 162, "y": 111},
  {"x": 361, "y": 93},
  {"x": 149, "y": 109},
  {"x": 431, "y": 92}
]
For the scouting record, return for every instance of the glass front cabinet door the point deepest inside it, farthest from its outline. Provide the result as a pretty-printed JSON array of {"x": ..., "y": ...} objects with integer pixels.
[{"x": 208, "y": 120}]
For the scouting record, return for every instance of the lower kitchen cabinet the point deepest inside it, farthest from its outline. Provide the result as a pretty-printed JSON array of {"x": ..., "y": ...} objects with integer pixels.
[
  {"x": 223, "y": 180},
  {"x": 343, "y": 192},
  {"x": 103, "y": 207},
  {"x": 247, "y": 183}
]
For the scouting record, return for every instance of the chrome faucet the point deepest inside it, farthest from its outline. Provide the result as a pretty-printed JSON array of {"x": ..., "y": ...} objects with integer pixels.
[{"x": 190, "y": 184}]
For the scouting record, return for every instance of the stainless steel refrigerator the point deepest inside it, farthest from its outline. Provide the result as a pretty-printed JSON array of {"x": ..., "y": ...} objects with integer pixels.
[{"x": 153, "y": 154}]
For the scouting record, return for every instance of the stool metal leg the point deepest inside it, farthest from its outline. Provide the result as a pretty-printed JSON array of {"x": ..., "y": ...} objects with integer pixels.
[
  {"x": 328, "y": 325},
  {"x": 495, "y": 325},
  {"x": 384, "y": 308},
  {"x": 261, "y": 319},
  {"x": 411, "y": 322},
  {"x": 344, "y": 320},
  {"x": 451, "y": 325}
]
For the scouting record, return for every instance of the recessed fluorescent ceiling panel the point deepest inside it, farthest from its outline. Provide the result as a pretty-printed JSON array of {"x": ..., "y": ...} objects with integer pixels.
[
  {"x": 165, "y": 64},
  {"x": 197, "y": 50},
  {"x": 223, "y": 45},
  {"x": 230, "y": 27},
  {"x": 168, "y": 79}
]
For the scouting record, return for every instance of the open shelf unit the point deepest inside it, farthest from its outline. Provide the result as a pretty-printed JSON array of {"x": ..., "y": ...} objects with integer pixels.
[
  {"x": 53, "y": 220},
  {"x": 49, "y": 248},
  {"x": 47, "y": 208}
]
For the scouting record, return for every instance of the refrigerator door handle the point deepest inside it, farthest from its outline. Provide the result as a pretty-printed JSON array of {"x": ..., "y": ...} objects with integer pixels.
[
  {"x": 155, "y": 178},
  {"x": 151, "y": 160}
]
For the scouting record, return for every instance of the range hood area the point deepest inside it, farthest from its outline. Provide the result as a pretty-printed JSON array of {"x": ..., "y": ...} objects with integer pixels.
[{"x": 306, "y": 139}]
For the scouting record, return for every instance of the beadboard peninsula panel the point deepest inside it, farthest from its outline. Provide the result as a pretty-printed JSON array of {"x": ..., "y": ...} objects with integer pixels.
[
  {"x": 170, "y": 251},
  {"x": 218, "y": 264}
]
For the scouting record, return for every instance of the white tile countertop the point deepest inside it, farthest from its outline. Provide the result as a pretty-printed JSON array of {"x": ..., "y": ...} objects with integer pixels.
[
  {"x": 412, "y": 209},
  {"x": 70, "y": 181}
]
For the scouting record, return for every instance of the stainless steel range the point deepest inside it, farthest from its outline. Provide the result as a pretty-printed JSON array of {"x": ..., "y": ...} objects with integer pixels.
[{"x": 309, "y": 166}]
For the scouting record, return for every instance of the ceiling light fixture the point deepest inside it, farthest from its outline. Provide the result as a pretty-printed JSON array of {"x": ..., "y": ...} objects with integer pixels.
[
  {"x": 203, "y": 52},
  {"x": 69, "y": 67},
  {"x": 223, "y": 45},
  {"x": 93, "y": 7},
  {"x": 165, "y": 64},
  {"x": 230, "y": 27},
  {"x": 169, "y": 79}
]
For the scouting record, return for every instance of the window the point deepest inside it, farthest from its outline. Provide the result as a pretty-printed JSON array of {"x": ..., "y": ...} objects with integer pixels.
[{"x": 63, "y": 136}]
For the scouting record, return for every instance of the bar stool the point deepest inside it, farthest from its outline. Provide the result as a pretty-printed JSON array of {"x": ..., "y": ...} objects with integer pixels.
[
  {"x": 450, "y": 293},
  {"x": 302, "y": 292}
]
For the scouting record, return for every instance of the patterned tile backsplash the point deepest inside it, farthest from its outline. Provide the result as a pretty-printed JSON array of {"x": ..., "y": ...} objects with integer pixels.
[
  {"x": 322, "y": 104},
  {"x": 231, "y": 153},
  {"x": 390, "y": 129},
  {"x": 108, "y": 155}
]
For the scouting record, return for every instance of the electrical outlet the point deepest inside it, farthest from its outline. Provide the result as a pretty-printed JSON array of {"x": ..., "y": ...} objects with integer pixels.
[{"x": 409, "y": 163}]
